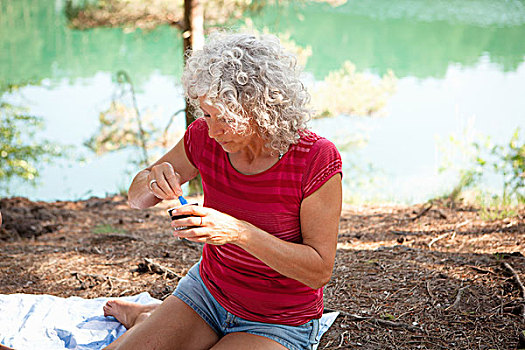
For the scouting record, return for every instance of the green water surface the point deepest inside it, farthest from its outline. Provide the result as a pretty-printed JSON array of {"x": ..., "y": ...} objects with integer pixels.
[{"x": 451, "y": 58}]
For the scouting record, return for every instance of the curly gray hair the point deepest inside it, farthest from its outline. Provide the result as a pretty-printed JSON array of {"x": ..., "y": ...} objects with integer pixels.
[{"x": 250, "y": 79}]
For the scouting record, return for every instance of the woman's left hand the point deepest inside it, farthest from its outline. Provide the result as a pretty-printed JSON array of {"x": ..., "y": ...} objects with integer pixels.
[{"x": 211, "y": 226}]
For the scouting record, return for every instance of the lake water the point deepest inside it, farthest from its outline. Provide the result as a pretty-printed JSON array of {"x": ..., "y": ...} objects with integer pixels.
[{"x": 457, "y": 64}]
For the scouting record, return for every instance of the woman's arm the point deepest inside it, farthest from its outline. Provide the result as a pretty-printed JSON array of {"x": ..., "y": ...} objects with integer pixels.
[
  {"x": 169, "y": 172},
  {"x": 310, "y": 262}
]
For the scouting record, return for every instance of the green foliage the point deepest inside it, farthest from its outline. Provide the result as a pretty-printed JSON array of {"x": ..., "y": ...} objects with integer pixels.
[
  {"x": 480, "y": 158},
  {"x": 20, "y": 152},
  {"x": 508, "y": 161},
  {"x": 343, "y": 91},
  {"x": 388, "y": 316},
  {"x": 499, "y": 256},
  {"x": 150, "y": 13},
  {"x": 122, "y": 125},
  {"x": 459, "y": 155},
  {"x": 107, "y": 228},
  {"x": 349, "y": 92},
  {"x": 495, "y": 207},
  {"x": 72, "y": 8},
  {"x": 467, "y": 179}
]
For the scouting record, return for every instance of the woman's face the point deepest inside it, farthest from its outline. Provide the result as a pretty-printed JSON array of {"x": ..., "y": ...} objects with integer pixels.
[{"x": 221, "y": 131}]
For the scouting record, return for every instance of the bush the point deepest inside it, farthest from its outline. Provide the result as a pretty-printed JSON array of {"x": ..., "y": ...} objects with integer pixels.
[{"x": 20, "y": 152}]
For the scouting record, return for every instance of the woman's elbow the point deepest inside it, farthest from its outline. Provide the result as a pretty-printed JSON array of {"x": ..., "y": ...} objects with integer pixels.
[
  {"x": 321, "y": 280},
  {"x": 134, "y": 203}
]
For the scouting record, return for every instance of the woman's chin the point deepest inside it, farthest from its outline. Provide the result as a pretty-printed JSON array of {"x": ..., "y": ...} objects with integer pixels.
[{"x": 227, "y": 147}]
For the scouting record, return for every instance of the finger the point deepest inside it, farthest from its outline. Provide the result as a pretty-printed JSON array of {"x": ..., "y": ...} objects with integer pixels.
[
  {"x": 190, "y": 209},
  {"x": 198, "y": 239},
  {"x": 166, "y": 179},
  {"x": 191, "y": 221},
  {"x": 158, "y": 192},
  {"x": 174, "y": 179},
  {"x": 152, "y": 183},
  {"x": 192, "y": 234},
  {"x": 163, "y": 186},
  {"x": 186, "y": 223},
  {"x": 154, "y": 188}
]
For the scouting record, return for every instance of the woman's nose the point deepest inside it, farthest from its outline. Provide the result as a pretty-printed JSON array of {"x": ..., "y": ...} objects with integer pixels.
[{"x": 215, "y": 128}]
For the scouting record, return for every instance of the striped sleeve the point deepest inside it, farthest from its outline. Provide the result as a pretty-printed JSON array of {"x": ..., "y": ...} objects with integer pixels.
[
  {"x": 324, "y": 161},
  {"x": 194, "y": 139}
]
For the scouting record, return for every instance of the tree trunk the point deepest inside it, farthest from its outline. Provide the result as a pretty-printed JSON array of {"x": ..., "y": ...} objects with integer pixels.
[
  {"x": 193, "y": 36},
  {"x": 193, "y": 39}
]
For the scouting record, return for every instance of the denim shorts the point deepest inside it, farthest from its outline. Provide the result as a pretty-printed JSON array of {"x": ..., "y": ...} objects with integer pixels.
[{"x": 193, "y": 292}]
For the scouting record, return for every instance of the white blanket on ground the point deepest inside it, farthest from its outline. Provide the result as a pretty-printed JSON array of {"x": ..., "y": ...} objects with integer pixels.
[{"x": 47, "y": 322}]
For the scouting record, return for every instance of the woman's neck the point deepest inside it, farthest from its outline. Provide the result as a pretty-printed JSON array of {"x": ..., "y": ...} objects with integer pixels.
[{"x": 254, "y": 158}]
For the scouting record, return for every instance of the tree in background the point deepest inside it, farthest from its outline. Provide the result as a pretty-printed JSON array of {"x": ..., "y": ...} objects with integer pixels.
[
  {"x": 21, "y": 151},
  {"x": 122, "y": 125},
  {"x": 344, "y": 91}
]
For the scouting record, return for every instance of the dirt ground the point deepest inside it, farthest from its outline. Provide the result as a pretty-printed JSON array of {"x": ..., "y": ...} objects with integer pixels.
[{"x": 416, "y": 277}]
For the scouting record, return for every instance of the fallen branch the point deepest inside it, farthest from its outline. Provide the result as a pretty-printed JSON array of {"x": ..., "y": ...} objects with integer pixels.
[
  {"x": 406, "y": 233},
  {"x": 437, "y": 239},
  {"x": 516, "y": 279},
  {"x": 432, "y": 298},
  {"x": 461, "y": 224},
  {"x": 518, "y": 310},
  {"x": 475, "y": 268},
  {"x": 342, "y": 339},
  {"x": 441, "y": 214},
  {"x": 150, "y": 266},
  {"x": 380, "y": 321},
  {"x": 422, "y": 212},
  {"x": 88, "y": 280},
  {"x": 448, "y": 232},
  {"x": 458, "y": 298},
  {"x": 102, "y": 278},
  {"x": 393, "y": 324},
  {"x": 119, "y": 262}
]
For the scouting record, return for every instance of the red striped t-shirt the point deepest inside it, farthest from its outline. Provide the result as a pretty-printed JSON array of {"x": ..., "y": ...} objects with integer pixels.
[{"x": 270, "y": 200}]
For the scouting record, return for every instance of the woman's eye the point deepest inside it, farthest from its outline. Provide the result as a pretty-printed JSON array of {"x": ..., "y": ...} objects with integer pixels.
[{"x": 206, "y": 115}]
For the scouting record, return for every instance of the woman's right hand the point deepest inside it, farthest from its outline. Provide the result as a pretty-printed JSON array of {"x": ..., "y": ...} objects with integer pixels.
[
  {"x": 164, "y": 182},
  {"x": 160, "y": 181}
]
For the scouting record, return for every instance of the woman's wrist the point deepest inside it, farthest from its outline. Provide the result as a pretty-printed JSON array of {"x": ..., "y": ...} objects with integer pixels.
[
  {"x": 244, "y": 235},
  {"x": 139, "y": 194}
]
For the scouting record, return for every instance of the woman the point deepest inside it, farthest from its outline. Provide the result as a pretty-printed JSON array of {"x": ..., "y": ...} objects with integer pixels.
[{"x": 272, "y": 201}]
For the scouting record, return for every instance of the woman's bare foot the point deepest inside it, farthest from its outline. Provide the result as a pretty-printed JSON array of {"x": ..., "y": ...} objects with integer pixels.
[{"x": 127, "y": 313}]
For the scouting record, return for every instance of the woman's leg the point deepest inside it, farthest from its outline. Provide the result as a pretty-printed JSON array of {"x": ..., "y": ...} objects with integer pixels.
[
  {"x": 241, "y": 341},
  {"x": 171, "y": 325}
]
